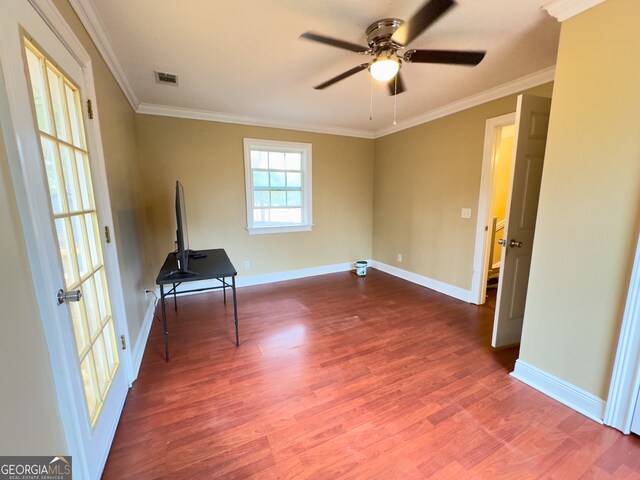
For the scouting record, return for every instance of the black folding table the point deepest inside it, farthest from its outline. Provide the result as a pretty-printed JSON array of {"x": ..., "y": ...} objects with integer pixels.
[{"x": 206, "y": 265}]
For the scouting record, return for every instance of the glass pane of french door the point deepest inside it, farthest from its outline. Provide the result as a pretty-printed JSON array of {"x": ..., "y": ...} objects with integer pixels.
[{"x": 57, "y": 106}]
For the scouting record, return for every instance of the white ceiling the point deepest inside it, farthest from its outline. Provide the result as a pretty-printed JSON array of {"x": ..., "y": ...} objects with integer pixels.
[{"x": 243, "y": 58}]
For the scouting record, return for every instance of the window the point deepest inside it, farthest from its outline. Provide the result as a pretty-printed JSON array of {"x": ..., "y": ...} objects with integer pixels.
[{"x": 278, "y": 178}]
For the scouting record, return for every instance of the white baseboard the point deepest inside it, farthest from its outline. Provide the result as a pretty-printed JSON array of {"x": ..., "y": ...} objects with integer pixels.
[
  {"x": 138, "y": 350},
  {"x": 274, "y": 277},
  {"x": 437, "y": 285},
  {"x": 564, "y": 392}
]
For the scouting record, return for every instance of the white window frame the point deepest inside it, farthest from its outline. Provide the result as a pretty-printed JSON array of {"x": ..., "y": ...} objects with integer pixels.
[{"x": 305, "y": 150}]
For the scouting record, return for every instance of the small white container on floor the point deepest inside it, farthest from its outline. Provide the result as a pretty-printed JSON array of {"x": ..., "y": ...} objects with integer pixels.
[{"x": 361, "y": 268}]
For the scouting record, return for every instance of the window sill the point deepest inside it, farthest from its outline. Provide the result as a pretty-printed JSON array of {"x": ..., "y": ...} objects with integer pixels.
[{"x": 282, "y": 229}]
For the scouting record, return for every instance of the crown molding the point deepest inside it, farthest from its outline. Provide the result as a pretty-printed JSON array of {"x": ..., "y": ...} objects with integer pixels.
[
  {"x": 565, "y": 9},
  {"x": 89, "y": 18},
  {"x": 509, "y": 88},
  {"x": 206, "y": 115},
  {"x": 515, "y": 86}
]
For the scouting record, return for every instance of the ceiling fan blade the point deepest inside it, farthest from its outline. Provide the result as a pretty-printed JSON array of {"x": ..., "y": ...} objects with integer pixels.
[
  {"x": 455, "y": 57},
  {"x": 428, "y": 13},
  {"x": 396, "y": 89},
  {"x": 342, "y": 76},
  {"x": 334, "y": 42}
]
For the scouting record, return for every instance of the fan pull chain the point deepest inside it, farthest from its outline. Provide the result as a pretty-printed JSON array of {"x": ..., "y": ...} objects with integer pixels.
[
  {"x": 371, "y": 99},
  {"x": 395, "y": 99}
]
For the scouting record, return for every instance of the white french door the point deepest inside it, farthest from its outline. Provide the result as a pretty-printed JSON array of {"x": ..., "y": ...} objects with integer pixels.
[{"x": 62, "y": 202}]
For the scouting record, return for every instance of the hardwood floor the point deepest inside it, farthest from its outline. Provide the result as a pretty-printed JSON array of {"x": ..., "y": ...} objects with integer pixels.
[{"x": 346, "y": 377}]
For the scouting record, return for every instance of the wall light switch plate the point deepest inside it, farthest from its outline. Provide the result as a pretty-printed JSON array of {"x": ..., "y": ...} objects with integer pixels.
[
  {"x": 400, "y": 257},
  {"x": 465, "y": 213},
  {"x": 247, "y": 264}
]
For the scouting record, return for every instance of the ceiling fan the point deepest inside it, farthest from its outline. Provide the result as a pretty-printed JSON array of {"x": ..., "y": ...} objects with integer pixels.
[{"x": 386, "y": 39}]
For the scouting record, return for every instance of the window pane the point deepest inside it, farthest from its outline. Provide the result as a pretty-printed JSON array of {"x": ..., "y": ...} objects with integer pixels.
[
  {"x": 293, "y": 161},
  {"x": 94, "y": 248},
  {"x": 62, "y": 225},
  {"x": 79, "y": 328},
  {"x": 294, "y": 198},
  {"x": 260, "y": 179},
  {"x": 55, "y": 86},
  {"x": 53, "y": 177},
  {"x": 276, "y": 160},
  {"x": 79, "y": 239},
  {"x": 110, "y": 346},
  {"x": 100, "y": 361},
  {"x": 287, "y": 215},
  {"x": 260, "y": 215},
  {"x": 261, "y": 198},
  {"x": 74, "y": 118},
  {"x": 89, "y": 384},
  {"x": 101, "y": 294},
  {"x": 39, "y": 92},
  {"x": 278, "y": 199},
  {"x": 89, "y": 300},
  {"x": 277, "y": 179},
  {"x": 69, "y": 179},
  {"x": 278, "y": 215},
  {"x": 294, "y": 179},
  {"x": 259, "y": 159},
  {"x": 83, "y": 180}
]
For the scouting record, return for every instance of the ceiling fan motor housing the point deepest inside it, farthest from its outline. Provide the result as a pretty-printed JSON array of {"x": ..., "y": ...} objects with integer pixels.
[{"x": 379, "y": 34}]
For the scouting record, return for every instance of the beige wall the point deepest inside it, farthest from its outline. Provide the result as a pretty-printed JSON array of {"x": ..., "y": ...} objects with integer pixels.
[
  {"x": 587, "y": 218},
  {"x": 117, "y": 121},
  {"x": 28, "y": 404},
  {"x": 423, "y": 177},
  {"x": 207, "y": 157}
]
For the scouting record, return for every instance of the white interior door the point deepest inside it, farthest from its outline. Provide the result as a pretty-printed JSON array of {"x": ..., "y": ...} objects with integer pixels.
[
  {"x": 532, "y": 122},
  {"x": 46, "y": 85}
]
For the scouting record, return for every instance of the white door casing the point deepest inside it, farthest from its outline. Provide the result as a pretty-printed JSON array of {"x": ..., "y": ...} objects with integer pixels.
[
  {"x": 40, "y": 21},
  {"x": 623, "y": 402},
  {"x": 481, "y": 260},
  {"x": 532, "y": 123}
]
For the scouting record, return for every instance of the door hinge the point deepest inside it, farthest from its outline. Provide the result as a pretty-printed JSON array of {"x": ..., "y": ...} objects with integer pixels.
[
  {"x": 90, "y": 109},
  {"x": 107, "y": 234},
  {"x": 124, "y": 342}
]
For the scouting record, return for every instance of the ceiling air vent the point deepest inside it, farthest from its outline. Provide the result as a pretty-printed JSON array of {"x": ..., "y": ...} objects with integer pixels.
[{"x": 166, "y": 78}]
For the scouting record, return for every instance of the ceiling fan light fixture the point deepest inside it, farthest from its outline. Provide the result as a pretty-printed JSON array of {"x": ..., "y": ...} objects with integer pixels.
[{"x": 385, "y": 68}]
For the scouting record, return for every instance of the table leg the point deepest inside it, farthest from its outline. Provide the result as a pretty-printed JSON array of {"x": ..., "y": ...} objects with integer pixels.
[
  {"x": 175, "y": 298},
  {"x": 164, "y": 324},
  {"x": 224, "y": 289},
  {"x": 235, "y": 308}
]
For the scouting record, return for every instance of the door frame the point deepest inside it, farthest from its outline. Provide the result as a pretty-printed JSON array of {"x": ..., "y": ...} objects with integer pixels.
[
  {"x": 20, "y": 146},
  {"x": 485, "y": 205},
  {"x": 625, "y": 379}
]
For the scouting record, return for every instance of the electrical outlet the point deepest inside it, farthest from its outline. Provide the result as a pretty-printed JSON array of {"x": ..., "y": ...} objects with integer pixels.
[
  {"x": 247, "y": 265},
  {"x": 465, "y": 213},
  {"x": 145, "y": 293},
  {"x": 400, "y": 257}
]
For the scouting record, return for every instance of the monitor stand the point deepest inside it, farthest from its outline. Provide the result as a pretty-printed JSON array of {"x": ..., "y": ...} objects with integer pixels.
[{"x": 178, "y": 272}]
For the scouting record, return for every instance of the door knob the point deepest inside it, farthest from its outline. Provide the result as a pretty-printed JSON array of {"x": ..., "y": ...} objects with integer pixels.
[
  {"x": 515, "y": 243},
  {"x": 502, "y": 242},
  {"x": 72, "y": 296}
]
